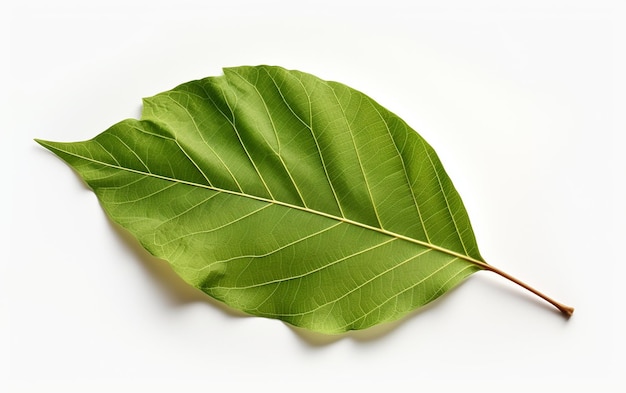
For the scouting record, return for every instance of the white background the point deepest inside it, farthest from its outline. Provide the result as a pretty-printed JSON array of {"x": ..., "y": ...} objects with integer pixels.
[{"x": 524, "y": 103}]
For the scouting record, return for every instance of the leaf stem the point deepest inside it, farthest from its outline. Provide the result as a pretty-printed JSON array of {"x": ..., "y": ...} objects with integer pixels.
[{"x": 566, "y": 310}]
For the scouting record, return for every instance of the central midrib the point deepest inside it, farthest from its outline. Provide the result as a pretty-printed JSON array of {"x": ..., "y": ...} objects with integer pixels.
[{"x": 435, "y": 247}]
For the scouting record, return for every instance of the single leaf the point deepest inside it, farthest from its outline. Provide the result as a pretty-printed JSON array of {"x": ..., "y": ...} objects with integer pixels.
[{"x": 285, "y": 196}]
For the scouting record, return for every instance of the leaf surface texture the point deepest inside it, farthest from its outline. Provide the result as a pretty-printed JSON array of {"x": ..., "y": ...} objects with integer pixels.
[{"x": 285, "y": 196}]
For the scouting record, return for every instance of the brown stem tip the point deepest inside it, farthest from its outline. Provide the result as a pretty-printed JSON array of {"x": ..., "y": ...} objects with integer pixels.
[{"x": 566, "y": 310}]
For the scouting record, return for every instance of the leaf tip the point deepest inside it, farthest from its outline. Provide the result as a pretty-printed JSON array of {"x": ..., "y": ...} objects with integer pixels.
[
  {"x": 42, "y": 142},
  {"x": 50, "y": 145}
]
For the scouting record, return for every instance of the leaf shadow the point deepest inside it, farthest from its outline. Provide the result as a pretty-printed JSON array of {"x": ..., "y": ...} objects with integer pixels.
[
  {"x": 176, "y": 290},
  {"x": 373, "y": 333}
]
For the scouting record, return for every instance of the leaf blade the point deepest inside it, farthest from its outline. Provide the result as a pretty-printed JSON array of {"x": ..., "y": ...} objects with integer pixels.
[{"x": 215, "y": 193}]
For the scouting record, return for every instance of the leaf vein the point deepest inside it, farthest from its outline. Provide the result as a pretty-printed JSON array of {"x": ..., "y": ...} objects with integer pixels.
[
  {"x": 445, "y": 197},
  {"x": 245, "y": 149},
  {"x": 240, "y": 218},
  {"x": 274, "y": 251},
  {"x": 404, "y": 170},
  {"x": 358, "y": 156},
  {"x": 332, "y": 263},
  {"x": 377, "y": 276}
]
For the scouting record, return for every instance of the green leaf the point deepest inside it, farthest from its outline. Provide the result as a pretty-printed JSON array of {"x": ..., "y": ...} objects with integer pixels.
[{"x": 285, "y": 196}]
